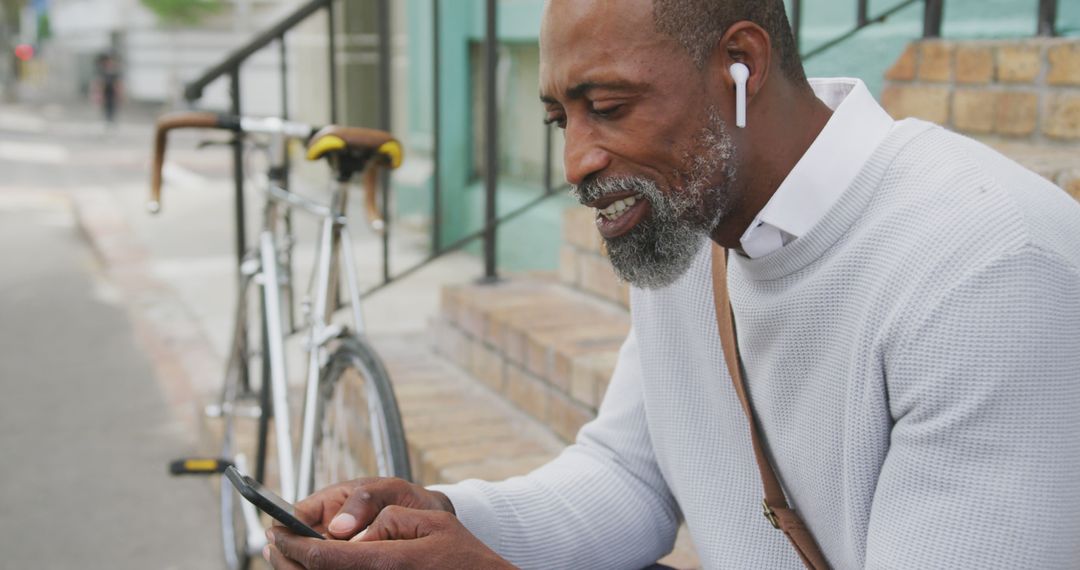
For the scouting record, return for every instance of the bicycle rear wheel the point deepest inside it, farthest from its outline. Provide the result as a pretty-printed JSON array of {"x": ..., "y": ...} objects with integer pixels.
[
  {"x": 245, "y": 429},
  {"x": 358, "y": 424}
]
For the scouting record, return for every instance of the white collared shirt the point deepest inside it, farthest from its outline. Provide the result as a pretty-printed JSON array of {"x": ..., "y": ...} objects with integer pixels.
[{"x": 856, "y": 128}]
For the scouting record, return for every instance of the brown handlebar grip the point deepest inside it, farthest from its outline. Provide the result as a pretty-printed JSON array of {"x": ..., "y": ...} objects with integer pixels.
[
  {"x": 196, "y": 120},
  {"x": 371, "y": 189}
]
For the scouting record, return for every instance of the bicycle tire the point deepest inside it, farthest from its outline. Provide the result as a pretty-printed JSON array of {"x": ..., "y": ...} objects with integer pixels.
[
  {"x": 245, "y": 423},
  {"x": 353, "y": 384}
]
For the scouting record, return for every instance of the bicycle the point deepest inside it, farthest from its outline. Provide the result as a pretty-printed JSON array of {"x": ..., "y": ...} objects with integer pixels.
[{"x": 351, "y": 425}]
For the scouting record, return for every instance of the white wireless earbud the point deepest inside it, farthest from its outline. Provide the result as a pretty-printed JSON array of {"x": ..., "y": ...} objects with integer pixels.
[{"x": 740, "y": 73}]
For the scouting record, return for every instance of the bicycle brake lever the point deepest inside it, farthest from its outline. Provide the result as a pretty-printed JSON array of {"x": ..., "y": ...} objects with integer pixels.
[
  {"x": 210, "y": 142},
  {"x": 330, "y": 332},
  {"x": 207, "y": 143}
]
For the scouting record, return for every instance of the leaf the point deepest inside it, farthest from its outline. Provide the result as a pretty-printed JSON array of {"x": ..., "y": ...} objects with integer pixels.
[{"x": 183, "y": 11}]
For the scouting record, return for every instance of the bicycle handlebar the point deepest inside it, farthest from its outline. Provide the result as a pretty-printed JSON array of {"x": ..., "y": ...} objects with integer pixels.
[
  {"x": 186, "y": 120},
  {"x": 348, "y": 148}
]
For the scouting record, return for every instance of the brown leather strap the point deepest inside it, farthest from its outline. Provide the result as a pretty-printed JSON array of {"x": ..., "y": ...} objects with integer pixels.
[{"x": 775, "y": 504}]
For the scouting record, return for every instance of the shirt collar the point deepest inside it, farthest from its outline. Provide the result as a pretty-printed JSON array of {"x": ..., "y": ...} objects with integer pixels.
[{"x": 858, "y": 125}]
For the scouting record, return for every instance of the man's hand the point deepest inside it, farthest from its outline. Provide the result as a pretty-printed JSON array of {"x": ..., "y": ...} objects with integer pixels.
[
  {"x": 399, "y": 537},
  {"x": 341, "y": 510}
]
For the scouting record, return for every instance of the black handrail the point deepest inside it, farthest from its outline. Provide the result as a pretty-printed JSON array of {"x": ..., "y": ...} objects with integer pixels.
[
  {"x": 231, "y": 66},
  {"x": 864, "y": 21},
  {"x": 194, "y": 90},
  {"x": 1047, "y": 18},
  {"x": 491, "y": 138},
  {"x": 932, "y": 17},
  {"x": 436, "y": 120},
  {"x": 385, "y": 114}
]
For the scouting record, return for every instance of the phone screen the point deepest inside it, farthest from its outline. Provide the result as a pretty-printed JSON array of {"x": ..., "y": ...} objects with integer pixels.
[{"x": 269, "y": 503}]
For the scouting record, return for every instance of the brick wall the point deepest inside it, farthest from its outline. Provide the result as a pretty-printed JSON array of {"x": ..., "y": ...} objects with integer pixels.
[
  {"x": 1027, "y": 89},
  {"x": 1021, "y": 96}
]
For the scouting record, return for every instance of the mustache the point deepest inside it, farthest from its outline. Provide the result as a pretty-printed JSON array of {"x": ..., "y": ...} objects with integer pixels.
[{"x": 594, "y": 189}]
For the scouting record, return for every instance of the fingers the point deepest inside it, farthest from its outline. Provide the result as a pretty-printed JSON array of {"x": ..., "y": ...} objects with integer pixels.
[
  {"x": 288, "y": 551},
  {"x": 278, "y": 560},
  {"x": 364, "y": 503},
  {"x": 356, "y": 512},
  {"x": 400, "y": 523},
  {"x": 317, "y": 509},
  {"x": 302, "y": 552},
  {"x": 444, "y": 502},
  {"x": 346, "y": 508}
]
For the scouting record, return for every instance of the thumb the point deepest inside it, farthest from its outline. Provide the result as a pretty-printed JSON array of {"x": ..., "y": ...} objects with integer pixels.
[{"x": 401, "y": 523}]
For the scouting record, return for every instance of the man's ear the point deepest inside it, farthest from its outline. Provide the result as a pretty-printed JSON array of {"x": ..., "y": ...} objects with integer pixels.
[{"x": 747, "y": 43}]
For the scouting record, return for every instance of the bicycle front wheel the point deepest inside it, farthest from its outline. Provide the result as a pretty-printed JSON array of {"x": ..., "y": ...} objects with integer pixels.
[
  {"x": 245, "y": 426},
  {"x": 358, "y": 424}
]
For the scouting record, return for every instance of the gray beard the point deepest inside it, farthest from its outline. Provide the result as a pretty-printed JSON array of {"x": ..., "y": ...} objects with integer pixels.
[{"x": 659, "y": 250}]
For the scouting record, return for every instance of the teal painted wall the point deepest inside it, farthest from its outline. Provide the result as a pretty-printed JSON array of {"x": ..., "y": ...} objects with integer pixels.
[{"x": 529, "y": 242}]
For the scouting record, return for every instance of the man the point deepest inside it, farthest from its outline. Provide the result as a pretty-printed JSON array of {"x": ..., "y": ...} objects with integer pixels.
[
  {"x": 107, "y": 89},
  {"x": 908, "y": 310}
]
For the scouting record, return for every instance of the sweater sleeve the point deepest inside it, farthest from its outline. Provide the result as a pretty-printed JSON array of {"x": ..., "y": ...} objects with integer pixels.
[
  {"x": 983, "y": 469},
  {"x": 602, "y": 503}
]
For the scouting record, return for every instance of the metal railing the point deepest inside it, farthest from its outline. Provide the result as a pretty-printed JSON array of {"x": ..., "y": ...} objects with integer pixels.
[
  {"x": 231, "y": 67},
  {"x": 933, "y": 16}
]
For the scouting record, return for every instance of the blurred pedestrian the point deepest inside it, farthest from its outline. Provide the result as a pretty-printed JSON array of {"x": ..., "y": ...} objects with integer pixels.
[{"x": 108, "y": 87}]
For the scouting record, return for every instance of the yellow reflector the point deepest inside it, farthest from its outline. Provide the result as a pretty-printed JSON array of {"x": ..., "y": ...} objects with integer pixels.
[
  {"x": 201, "y": 465},
  {"x": 324, "y": 145}
]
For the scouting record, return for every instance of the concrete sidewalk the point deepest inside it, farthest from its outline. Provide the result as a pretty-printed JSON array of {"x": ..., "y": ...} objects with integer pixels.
[{"x": 85, "y": 429}]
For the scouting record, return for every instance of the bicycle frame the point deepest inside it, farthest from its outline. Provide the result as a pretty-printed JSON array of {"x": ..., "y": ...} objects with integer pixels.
[
  {"x": 335, "y": 247},
  {"x": 335, "y": 253},
  {"x": 332, "y": 349}
]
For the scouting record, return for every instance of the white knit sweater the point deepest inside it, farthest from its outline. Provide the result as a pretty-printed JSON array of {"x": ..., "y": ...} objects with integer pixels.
[{"x": 914, "y": 361}]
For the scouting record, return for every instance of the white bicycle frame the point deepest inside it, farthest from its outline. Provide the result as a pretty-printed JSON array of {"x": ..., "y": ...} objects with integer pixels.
[{"x": 335, "y": 246}]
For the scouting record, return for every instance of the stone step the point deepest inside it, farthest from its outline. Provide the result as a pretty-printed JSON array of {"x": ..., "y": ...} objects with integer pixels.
[{"x": 545, "y": 348}]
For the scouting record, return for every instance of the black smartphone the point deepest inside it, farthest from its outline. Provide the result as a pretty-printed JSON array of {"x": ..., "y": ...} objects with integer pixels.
[{"x": 269, "y": 503}]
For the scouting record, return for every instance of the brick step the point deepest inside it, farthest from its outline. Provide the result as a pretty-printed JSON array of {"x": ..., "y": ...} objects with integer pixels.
[
  {"x": 547, "y": 349},
  {"x": 1056, "y": 163},
  {"x": 583, "y": 262},
  {"x": 455, "y": 427}
]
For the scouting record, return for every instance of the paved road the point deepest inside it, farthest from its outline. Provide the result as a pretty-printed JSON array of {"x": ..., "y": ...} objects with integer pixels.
[{"x": 85, "y": 431}]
